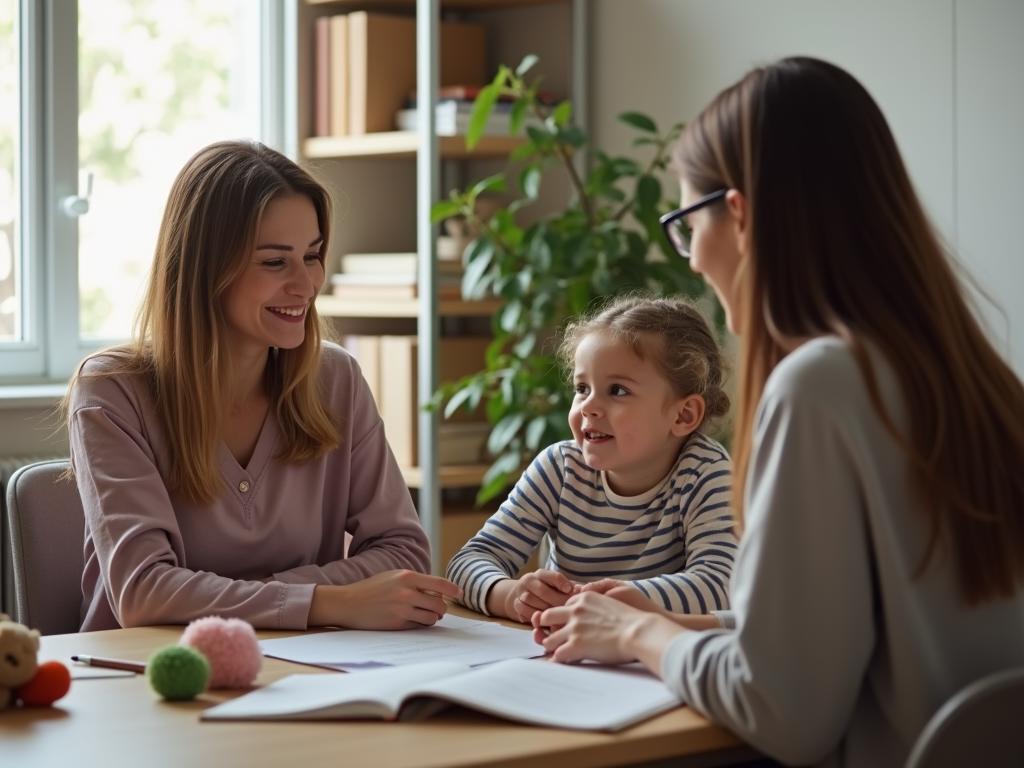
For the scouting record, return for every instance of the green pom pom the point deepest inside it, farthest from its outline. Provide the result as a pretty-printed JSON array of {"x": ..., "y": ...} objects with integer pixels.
[{"x": 178, "y": 673}]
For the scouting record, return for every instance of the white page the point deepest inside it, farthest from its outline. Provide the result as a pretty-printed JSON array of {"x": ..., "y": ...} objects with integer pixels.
[
  {"x": 453, "y": 638},
  {"x": 587, "y": 697},
  {"x": 314, "y": 696}
]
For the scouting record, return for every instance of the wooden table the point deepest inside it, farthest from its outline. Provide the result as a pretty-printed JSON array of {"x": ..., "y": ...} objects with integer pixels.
[{"x": 121, "y": 722}]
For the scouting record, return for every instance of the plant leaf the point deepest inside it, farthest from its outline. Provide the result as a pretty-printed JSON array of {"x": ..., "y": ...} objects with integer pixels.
[
  {"x": 509, "y": 317},
  {"x": 535, "y": 431},
  {"x": 498, "y": 476},
  {"x": 458, "y": 399},
  {"x": 648, "y": 193},
  {"x": 529, "y": 181},
  {"x": 639, "y": 121},
  {"x": 504, "y": 431},
  {"x": 517, "y": 115},
  {"x": 525, "y": 345},
  {"x": 474, "y": 279},
  {"x": 481, "y": 111},
  {"x": 495, "y": 183},
  {"x": 443, "y": 209},
  {"x": 562, "y": 114},
  {"x": 528, "y": 62}
]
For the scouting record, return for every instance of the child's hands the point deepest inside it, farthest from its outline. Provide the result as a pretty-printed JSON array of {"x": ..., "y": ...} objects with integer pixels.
[
  {"x": 604, "y": 586},
  {"x": 535, "y": 591}
]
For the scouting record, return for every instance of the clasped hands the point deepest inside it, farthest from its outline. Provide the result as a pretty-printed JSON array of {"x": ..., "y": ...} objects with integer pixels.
[
  {"x": 609, "y": 620},
  {"x": 539, "y": 590}
]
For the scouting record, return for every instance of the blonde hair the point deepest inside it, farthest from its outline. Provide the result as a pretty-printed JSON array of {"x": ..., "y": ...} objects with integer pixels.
[
  {"x": 671, "y": 332},
  {"x": 840, "y": 244},
  {"x": 209, "y": 226}
]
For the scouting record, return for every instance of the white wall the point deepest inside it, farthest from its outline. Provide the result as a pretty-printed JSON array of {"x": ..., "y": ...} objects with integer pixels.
[{"x": 945, "y": 72}]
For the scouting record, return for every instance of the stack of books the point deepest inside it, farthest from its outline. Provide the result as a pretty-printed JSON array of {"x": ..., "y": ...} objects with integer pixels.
[
  {"x": 389, "y": 276},
  {"x": 451, "y": 118},
  {"x": 365, "y": 67},
  {"x": 454, "y": 109}
]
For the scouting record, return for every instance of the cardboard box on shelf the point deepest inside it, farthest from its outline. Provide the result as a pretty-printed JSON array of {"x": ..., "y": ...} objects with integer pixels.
[
  {"x": 458, "y": 356},
  {"x": 382, "y": 64}
]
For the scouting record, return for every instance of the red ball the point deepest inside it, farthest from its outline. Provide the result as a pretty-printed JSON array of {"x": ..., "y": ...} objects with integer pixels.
[{"x": 52, "y": 680}]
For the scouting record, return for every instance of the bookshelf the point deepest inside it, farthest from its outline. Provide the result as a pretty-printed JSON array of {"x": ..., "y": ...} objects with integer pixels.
[
  {"x": 404, "y": 144},
  {"x": 384, "y": 184},
  {"x": 332, "y": 306}
]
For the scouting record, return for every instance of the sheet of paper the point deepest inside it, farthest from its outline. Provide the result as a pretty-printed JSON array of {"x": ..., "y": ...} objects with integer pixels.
[
  {"x": 315, "y": 696},
  {"x": 587, "y": 696},
  {"x": 453, "y": 638}
]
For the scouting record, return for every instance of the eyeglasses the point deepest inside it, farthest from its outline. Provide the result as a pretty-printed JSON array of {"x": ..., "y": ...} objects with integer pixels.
[{"x": 676, "y": 229}]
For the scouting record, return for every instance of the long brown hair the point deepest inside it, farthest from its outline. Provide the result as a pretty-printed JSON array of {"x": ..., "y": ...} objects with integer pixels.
[
  {"x": 208, "y": 228},
  {"x": 840, "y": 244}
]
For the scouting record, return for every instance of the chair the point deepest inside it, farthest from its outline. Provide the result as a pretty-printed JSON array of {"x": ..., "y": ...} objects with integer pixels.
[
  {"x": 980, "y": 725},
  {"x": 43, "y": 540}
]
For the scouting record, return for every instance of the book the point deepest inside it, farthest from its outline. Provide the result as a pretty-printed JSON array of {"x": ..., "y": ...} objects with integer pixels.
[
  {"x": 583, "y": 697},
  {"x": 452, "y": 639},
  {"x": 382, "y": 64},
  {"x": 451, "y": 118},
  {"x": 457, "y": 356},
  {"x": 469, "y": 92},
  {"x": 322, "y": 78},
  {"x": 339, "y": 76},
  {"x": 392, "y": 264},
  {"x": 391, "y": 291}
]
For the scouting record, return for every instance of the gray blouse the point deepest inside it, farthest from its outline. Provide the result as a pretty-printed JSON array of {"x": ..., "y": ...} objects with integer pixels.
[{"x": 840, "y": 654}]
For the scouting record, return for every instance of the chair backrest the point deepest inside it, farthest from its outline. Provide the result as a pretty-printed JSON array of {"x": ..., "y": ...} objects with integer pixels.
[
  {"x": 980, "y": 725},
  {"x": 44, "y": 536}
]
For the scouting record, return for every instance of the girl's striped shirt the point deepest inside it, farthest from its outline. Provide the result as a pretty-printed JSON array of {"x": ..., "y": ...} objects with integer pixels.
[{"x": 676, "y": 542}]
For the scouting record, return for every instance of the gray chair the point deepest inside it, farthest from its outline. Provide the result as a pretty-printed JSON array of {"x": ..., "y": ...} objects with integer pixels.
[
  {"x": 43, "y": 539},
  {"x": 980, "y": 725}
]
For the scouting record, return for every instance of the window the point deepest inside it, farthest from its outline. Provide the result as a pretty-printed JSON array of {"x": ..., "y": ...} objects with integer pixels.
[
  {"x": 11, "y": 316},
  {"x": 131, "y": 89}
]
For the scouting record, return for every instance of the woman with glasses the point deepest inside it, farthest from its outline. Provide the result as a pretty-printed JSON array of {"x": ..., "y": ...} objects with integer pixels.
[{"x": 878, "y": 441}]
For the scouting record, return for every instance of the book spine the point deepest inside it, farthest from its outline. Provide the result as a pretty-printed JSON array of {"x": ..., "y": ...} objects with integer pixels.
[
  {"x": 321, "y": 78},
  {"x": 339, "y": 78}
]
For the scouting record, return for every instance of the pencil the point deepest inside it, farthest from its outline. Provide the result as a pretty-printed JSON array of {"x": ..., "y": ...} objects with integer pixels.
[{"x": 97, "y": 661}]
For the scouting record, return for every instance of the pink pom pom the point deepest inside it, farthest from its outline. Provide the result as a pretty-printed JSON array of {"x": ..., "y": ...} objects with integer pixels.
[{"x": 231, "y": 647}]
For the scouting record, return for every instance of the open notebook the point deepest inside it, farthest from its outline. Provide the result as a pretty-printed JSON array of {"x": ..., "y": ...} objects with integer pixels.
[{"x": 586, "y": 697}]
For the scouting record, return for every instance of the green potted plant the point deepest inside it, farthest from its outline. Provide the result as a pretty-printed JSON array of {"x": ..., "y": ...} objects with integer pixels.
[{"x": 598, "y": 245}]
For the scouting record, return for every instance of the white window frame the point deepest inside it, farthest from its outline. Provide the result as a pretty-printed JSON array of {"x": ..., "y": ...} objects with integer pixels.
[{"x": 47, "y": 242}]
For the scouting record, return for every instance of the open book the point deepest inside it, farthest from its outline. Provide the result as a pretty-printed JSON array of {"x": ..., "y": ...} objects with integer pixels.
[{"x": 586, "y": 697}]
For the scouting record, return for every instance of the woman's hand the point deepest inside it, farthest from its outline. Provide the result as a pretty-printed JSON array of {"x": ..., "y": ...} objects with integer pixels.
[
  {"x": 388, "y": 600},
  {"x": 599, "y": 627},
  {"x": 625, "y": 592},
  {"x": 519, "y": 598}
]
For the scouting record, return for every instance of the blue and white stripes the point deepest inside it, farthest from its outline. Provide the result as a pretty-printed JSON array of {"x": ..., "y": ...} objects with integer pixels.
[{"x": 676, "y": 542}]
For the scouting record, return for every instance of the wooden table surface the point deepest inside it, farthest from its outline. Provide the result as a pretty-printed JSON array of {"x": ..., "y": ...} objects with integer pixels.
[{"x": 121, "y": 721}]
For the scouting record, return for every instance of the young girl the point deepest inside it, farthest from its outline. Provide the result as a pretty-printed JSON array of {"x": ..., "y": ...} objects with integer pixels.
[
  {"x": 878, "y": 441},
  {"x": 224, "y": 454},
  {"x": 640, "y": 496}
]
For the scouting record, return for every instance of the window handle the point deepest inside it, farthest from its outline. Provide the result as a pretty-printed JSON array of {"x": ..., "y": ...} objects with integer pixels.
[{"x": 78, "y": 205}]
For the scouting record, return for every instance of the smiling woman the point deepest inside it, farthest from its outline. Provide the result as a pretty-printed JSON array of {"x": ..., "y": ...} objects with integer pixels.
[{"x": 223, "y": 455}]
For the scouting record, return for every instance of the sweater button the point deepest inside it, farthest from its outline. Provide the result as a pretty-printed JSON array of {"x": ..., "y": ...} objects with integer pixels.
[{"x": 244, "y": 486}]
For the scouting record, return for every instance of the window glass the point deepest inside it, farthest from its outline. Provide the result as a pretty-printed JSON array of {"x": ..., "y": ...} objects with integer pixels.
[
  {"x": 11, "y": 311},
  {"x": 157, "y": 81}
]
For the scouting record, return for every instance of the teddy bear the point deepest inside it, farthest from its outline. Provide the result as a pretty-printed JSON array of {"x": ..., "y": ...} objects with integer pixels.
[
  {"x": 18, "y": 648},
  {"x": 22, "y": 677}
]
